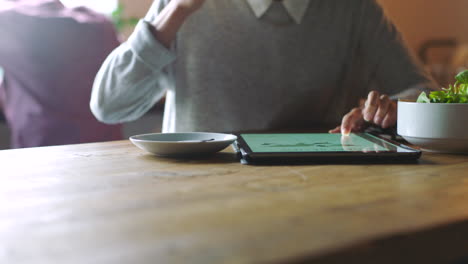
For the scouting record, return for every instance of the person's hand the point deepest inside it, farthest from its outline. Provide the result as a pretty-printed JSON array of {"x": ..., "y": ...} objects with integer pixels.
[
  {"x": 167, "y": 23},
  {"x": 378, "y": 109},
  {"x": 190, "y": 5}
]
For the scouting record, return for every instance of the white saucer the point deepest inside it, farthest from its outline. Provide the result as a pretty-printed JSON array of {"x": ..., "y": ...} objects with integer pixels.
[{"x": 183, "y": 144}]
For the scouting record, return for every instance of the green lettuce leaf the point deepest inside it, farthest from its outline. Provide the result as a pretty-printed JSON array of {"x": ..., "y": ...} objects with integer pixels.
[
  {"x": 462, "y": 77},
  {"x": 423, "y": 98},
  {"x": 454, "y": 94}
]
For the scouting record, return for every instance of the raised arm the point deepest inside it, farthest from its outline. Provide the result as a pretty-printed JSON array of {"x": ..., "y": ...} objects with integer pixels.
[
  {"x": 166, "y": 25},
  {"x": 134, "y": 76}
]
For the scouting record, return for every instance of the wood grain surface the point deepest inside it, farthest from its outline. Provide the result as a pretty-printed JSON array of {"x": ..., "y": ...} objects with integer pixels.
[{"x": 114, "y": 203}]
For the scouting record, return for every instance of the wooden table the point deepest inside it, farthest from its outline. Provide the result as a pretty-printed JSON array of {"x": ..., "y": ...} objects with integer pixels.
[{"x": 113, "y": 203}]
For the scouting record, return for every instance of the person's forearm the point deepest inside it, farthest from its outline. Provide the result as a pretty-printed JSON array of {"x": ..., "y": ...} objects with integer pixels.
[{"x": 168, "y": 22}]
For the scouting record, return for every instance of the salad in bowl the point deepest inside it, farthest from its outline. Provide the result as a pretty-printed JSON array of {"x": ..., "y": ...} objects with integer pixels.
[{"x": 438, "y": 121}]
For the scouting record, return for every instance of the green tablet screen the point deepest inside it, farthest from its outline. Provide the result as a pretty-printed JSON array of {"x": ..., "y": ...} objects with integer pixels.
[{"x": 269, "y": 143}]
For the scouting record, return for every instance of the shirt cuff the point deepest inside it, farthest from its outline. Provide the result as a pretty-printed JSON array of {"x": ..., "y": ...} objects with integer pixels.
[{"x": 148, "y": 49}]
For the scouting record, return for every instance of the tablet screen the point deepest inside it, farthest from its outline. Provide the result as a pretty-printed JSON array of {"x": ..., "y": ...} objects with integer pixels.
[{"x": 276, "y": 143}]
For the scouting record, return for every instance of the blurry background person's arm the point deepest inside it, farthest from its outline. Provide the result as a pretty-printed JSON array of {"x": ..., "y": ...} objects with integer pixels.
[{"x": 133, "y": 78}]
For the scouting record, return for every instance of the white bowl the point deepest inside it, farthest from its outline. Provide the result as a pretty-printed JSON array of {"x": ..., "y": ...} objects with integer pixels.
[
  {"x": 434, "y": 127},
  {"x": 183, "y": 144}
]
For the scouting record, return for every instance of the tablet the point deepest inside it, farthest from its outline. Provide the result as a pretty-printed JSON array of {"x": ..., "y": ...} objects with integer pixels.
[{"x": 321, "y": 148}]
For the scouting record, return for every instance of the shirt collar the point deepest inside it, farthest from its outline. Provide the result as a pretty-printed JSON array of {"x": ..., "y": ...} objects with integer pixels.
[{"x": 295, "y": 8}]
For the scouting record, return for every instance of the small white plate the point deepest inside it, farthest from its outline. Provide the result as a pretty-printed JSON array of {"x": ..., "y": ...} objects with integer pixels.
[{"x": 183, "y": 144}]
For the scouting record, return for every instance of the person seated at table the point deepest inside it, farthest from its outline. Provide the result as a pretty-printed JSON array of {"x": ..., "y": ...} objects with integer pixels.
[
  {"x": 50, "y": 55},
  {"x": 249, "y": 65}
]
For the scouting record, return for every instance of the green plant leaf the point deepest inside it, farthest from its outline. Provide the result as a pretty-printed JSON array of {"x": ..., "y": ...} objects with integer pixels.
[
  {"x": 454, "y": 94},
  {"x": 462, "y": 77},
  {"x": 439, "y": 97},
  {"x": 423, "y": 98}
]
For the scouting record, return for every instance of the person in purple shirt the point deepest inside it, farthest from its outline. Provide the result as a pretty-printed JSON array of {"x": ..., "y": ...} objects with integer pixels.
[{"x": 50, "y": 55}]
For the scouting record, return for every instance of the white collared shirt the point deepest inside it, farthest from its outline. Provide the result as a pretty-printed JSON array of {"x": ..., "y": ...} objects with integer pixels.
[{"x": 295, "y": 8}]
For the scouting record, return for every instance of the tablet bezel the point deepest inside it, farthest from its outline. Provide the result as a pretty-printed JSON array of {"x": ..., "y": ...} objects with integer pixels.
[{"x": 398, "y": 152}]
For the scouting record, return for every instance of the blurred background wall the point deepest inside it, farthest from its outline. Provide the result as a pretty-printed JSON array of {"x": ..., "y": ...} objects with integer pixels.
[
  {"x": 422, "y": 20},
  {"x": 437, "y": 32}
]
